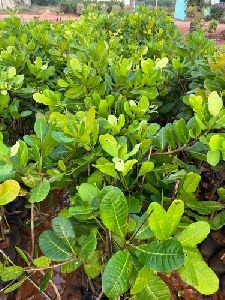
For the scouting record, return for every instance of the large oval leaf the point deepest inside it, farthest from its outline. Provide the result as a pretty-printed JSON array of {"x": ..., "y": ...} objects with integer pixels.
[
  {"x": 114, "y": 211},
  {"x": 215, "y": 104},
  {"x": 54, "y": 247},
  {"x": 40, "y": 192},
  {"x": 197, "y": 273},
  {"x": 194, "y": 234},
  {"x": 63, "y": 228},
  {"x": 115, "y": 280},
  {"x": 150, "y": 286},
  {"x": 109, "y": 144},
  {"x": 9, "y": 190},
  {"x": 163, "y": 223},
  {"x": 161, "y": 256}
]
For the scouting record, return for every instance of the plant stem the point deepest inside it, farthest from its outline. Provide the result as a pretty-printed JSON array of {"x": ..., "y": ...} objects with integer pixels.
[{"x": 32, "y": 229}]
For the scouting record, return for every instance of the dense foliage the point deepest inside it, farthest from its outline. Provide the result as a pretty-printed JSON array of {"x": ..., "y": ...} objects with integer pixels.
[
  {"x": 217, "y": 11},
  {"x": 129, "y": 123}
]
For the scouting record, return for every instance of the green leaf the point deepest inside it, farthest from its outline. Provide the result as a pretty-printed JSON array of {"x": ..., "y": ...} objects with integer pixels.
[
  {"x": 194, "y": 234},
  {"x": 166, "y": 168},
  {"x": 71, "y": 266},
  {"x": 160, "y": 64},
  {"x": 9, "y": 190},
  {"x": 93, "y": 266},
  {"x": 115, "y": 279},
  {"x": 201, "y": 277},
  {"x": 161, "y": 139},
  {"x": 22, "y": 255},
  {"x": 88, "y": 245},
  {"x": 213, "y": 157},
  {"x": 45, "y": 280},
  {"x": 215, "y": 142},
  {"x": 134, "y": 205},
  {"x": 114, "y": 211},
  {"x": 88, "y": 192},
  {"x": 162, "y": 223},
  {"x": 147, "y": 65},
  {"x": 14, "y": 286},
  {"x": 40, "y": 126},
  {"x": 149, "y": 286},
  {"x": 48, "y": 97},
  {"x": 11, "y": 273},
  {"x": 42, "y": 262},
  {"x": 161, "y": 256},
  {"x": 61, "y": 137},
  {"x": 119, "y": 164},
  {"x": 146, "y": 167},
  {"x": 221, "y": 193},
  {"x": 142, "y": 230},
  {"x": 90, "y": 120},
  {"x": 6, "y": 172},
  {"x": 181, "y": 131},
  {"x": 109, "y": 144},
  {"x": 53, "y": 247},
  {"x": 106, "y": 167},
  {"x": 191, "y": 182},
  {"x": 128, "y": 166},
  {"x": 218, "y": 221},
  {"x": 63, "y": 228},
  {"x": 4, "y": 101},
  {"x": 215, "y": 104},
  {"x": 4, "y": 152},
  {"x": 203, "y": 207},
  {"x": 40, "y": 192},
  {"x": 22, "y": 154},
  {"x": 11, "y": 72},
  {"x": 75, "y": 65}
]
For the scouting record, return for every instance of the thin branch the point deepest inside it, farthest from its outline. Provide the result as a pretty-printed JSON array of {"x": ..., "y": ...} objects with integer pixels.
[
  {"x": 49, "y": 267},
  {"x": 99, "y": 296},
  {"x": 32, "y": 230},
  {"x": 91, "y": 286},
  {"x": 177, "y": 183},
  {"x": 171, "y": 151},
  {"x": 54, "y": 287},
  {"x": 27, "y": 277}
]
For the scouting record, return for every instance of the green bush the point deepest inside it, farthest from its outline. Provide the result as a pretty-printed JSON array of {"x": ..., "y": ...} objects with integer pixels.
[
  {"x": 212, "y": 26},
  {"x": 45, "y": 2},
  {"x": 121, "y": 119},
  {"x": 193, "y": 11},
  {"x": 68, "y": 6}
]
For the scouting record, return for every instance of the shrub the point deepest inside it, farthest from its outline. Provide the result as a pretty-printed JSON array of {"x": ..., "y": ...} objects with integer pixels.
[
  {"x": 45, "y": 2},
  {"x": 80, "y": 8},
  {"x": 192, "y": 12},
  {"x": 197, "y": 3},
  {"x": 196, "y": 24},
  {"x": 68, "y": 6},
  {"x": 217, "y": 12},
  {"x": 114, "y": 132},
  {"x": 212, "y": 26},
  {"x": 104, "y": 7},
  {"x": 116, "y": 8}
]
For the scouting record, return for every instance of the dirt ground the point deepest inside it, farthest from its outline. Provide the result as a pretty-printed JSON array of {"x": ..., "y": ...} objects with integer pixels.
[{"x": 47, "y": 15}]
